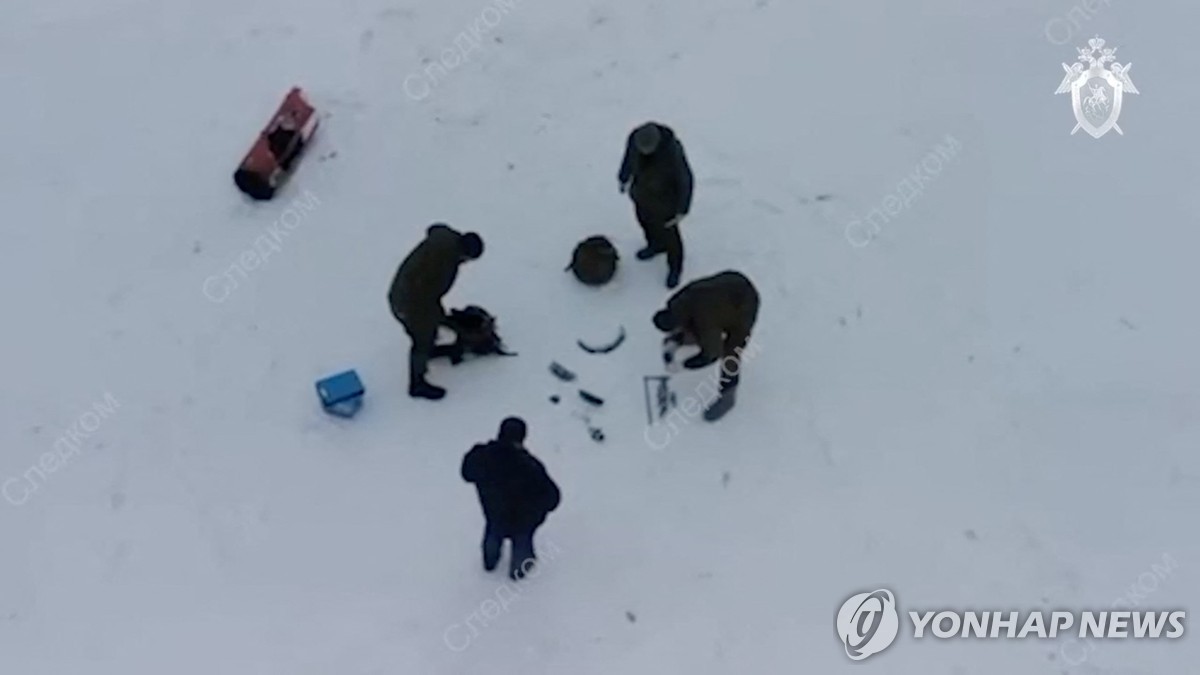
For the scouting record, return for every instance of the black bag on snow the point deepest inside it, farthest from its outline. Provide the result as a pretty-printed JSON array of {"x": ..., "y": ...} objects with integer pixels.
[
  {"x": 594, "y": 261},
  {"x": 475, "y": 329}
]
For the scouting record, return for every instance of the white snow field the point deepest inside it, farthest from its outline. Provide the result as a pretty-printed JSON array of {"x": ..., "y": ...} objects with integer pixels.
[{"x": 992, "y": 403}]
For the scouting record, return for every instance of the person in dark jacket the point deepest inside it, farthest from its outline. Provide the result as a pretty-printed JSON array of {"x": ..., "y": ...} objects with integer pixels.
[
  {"x": 656, "y": 174},
  {"x": 516, "y": 494},
  {"x": 423, "y": 279},
  {"x": 717, "y": 313}
]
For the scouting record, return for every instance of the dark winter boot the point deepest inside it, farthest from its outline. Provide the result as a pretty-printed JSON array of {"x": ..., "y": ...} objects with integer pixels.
[
  {"x": 649, "y": 252},
  {"x": 453, "y": 351},
  {"x": 421, "y": 388},
  {"x": 523, "y": 557},
  {"x": 672, "y": 278},
  {"x": 722, "y": 405},
  {"x": 492, "y": 543},
  {"x": 519, "y": 572}
]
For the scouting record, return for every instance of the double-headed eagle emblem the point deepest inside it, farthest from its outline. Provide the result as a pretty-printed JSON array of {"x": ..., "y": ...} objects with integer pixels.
[{"x": 1096, "y": 90}]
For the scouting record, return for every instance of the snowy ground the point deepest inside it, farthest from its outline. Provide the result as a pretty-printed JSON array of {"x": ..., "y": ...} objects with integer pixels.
[{"x": 993, "y": 403}]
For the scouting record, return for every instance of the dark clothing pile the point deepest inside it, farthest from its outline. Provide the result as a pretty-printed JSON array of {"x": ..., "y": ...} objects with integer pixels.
[{"x": 475, "y": 331}]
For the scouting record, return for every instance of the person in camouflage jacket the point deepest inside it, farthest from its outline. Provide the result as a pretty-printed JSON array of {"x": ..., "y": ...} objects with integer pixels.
[
  {"x": 416, "y": 293},
  {"x": 716, "y": 313}
]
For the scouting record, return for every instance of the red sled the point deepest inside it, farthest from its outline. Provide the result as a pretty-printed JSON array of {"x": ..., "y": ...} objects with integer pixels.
[{"x": 278, "y": 147}]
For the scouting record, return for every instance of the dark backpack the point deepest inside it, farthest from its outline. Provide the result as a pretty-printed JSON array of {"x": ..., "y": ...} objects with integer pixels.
[
  {"x": 475, "y": 329},
  {"x": 594, "y": 261}
]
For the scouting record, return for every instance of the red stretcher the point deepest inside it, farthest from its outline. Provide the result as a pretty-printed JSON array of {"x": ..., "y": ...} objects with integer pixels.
[{"x": 278, "y": 148}]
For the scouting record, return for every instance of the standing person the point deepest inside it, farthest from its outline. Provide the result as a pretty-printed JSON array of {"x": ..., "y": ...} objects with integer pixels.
[
  {"x": 423, "y": 279},
  {"x": 656, "y": 174},
  {"x": 516, "y": 494},
  {"x": 717, "y": 313}
]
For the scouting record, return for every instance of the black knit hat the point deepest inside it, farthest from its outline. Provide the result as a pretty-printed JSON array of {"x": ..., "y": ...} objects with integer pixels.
[
  {"x": 664, "y": 321},
  {"x": 472, "y": 245},
  {"x": 646, "y": 138},
  {"x": 512, "y": 430}
]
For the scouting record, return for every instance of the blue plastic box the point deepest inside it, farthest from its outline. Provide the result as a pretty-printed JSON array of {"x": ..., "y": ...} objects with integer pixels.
[{"x": 341, "y": 394}]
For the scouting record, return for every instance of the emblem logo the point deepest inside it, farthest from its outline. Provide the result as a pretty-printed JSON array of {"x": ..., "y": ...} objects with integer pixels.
[
  {"x": 1096, "y": 90},
  {"x": 868, "y": 623}
]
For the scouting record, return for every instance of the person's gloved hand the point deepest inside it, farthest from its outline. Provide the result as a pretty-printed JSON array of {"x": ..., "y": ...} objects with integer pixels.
[
  {"x": 671, "y": 344},
  {"x": 623, "y": 186},
  {"x": 697, "y": 361}
]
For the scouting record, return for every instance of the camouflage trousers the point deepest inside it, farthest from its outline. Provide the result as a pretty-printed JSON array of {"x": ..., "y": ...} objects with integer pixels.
[{"x": 423, "y": 332}]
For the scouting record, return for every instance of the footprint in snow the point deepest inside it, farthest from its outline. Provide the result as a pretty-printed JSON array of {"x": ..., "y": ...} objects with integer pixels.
[
  {"x": 768, "y": 207},
  {"x": 396, "y": 14}
]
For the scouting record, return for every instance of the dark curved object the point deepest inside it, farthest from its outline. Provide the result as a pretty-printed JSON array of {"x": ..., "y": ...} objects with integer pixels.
[{"x": 605, "y": 348}]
